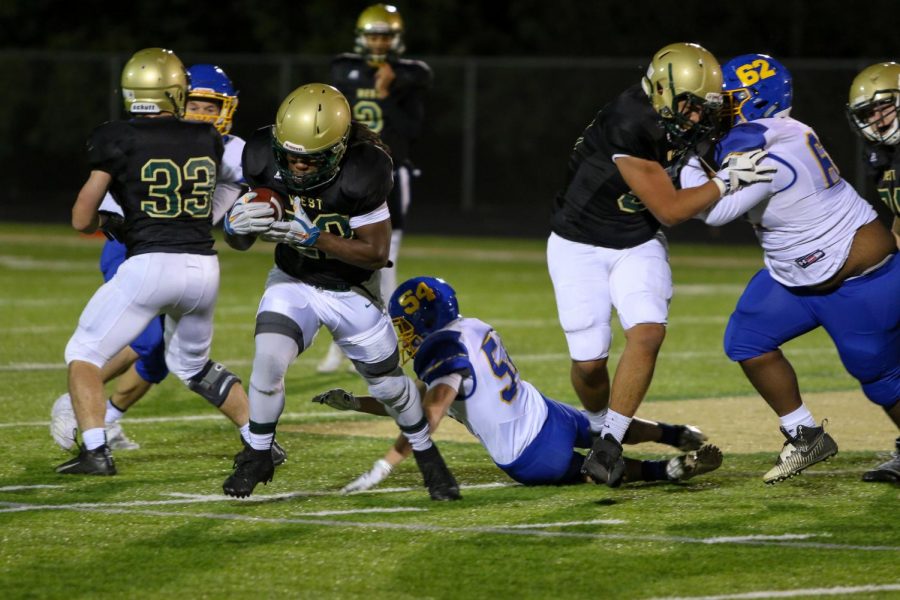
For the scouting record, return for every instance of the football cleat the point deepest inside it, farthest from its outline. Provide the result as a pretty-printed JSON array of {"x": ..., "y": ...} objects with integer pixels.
[
  {"x": 98, "y": 461},
  {"x": 690, "y": 438},
  {"x": 811, "y": 445},
  {"x": 116, "y": 438},
  {"x": 250, "y": 468},
  {"x": 604, "y": 463},
  {"x": 681, "y": 468},
  {"x": 279, "y": 455},
  {"x": 888, "y": 471},
  {"x": 63, "y": 424},
  {"x": 438, "y": 478}
]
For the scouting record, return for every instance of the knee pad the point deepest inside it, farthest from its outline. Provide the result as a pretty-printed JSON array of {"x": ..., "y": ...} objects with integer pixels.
[
  {"x": 213, "y": 382},
  {"x": 389, "y": 388},
  {"x": 386, "y": 368}
]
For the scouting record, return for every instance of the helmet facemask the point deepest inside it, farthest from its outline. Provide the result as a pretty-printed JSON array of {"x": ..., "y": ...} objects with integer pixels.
[
  {"x": 878, "y": 120},
  {"x": 227, "y": 105},
  {"x": 419, "y": 307},
  {"x": 325, "y": 164}
]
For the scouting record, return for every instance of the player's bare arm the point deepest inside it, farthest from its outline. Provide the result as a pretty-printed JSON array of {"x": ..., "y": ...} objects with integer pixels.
[
  {"x": 650, "y": 182},
  {"x": 368, "y": 249},
  {"x": 84, "y": 212}
]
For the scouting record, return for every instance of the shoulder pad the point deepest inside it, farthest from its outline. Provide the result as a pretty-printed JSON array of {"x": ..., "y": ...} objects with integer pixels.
[
  {"x": 440, "y": 354},
  {"x": 257, "y": 159},
  {"x": 367, "y": 175},
  {"x": 741, "y": 138},
  {"x": 108, "y": 144}
]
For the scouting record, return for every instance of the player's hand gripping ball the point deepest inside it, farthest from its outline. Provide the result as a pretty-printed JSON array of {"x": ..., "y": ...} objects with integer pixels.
[{"x": 273, "y": 198}]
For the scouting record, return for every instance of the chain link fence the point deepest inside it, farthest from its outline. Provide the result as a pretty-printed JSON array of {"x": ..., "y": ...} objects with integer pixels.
[{"x": 492, "y": 155}]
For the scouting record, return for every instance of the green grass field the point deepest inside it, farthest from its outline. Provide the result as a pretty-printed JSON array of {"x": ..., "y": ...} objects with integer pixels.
[{"x": 162, "y": 528}]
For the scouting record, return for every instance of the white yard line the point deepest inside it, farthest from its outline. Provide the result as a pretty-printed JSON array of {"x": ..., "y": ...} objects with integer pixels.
[
  {"x": 832, "y": 591},
  {"x": 16, "y": 488},
  {"x": 787, "y": 540},
  {"x": 209, "y": 417},
  {"x": 567, "y": 524}
]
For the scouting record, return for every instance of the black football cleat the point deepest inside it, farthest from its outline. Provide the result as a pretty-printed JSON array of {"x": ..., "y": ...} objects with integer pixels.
[
  {"x": 888, "y": 471},
  {"x": 604, "y": 463},
  {"x": 279, "y": 454},
  {"x": 438, "y": 478},
  {"x": 250, "y": 468},
  {"x": 98, "y": 461}
]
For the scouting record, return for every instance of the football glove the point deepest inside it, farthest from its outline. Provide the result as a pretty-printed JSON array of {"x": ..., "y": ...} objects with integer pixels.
[
  {"x": 339, "y": 399},
  {"x": 378, "y": 473},
  {"x": 248, "y": 218},
  {"x": 113, "y": 226},
  {"x": 299, "y": 232},
  {"x": 741, "y": 169}
]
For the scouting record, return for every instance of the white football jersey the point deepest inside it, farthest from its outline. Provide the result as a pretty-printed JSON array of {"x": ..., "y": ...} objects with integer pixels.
[
  {"x": 228, "y": 181},
  {"x": 499, "y": 408},
  {"x": 806, "y": 217}
]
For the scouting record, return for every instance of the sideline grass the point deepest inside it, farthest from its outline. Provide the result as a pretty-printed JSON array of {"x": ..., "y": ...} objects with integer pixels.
[{"x": 160, "y": 528}]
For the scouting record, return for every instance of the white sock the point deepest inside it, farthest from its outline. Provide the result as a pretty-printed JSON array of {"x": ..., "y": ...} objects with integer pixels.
[
  {"x": 615, "y": 424},
  {"x": 596, "y": 419},
  {"x": 93, "y": 438},
  {"x": 419, "y": 440},
  {"x": 112, "y": 413},
  {"x": 801, "y": 416},
  {"x": 245, "y": 432},
  {"x": 261, "y": 441}
]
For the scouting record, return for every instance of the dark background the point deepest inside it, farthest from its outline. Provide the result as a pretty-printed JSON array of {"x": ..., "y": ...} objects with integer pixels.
[{"x": 515, "y": 84}]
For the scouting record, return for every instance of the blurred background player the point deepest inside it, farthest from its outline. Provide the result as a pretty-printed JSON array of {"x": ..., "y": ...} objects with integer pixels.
[
  {"x": 470, "y": 375},
  {"x": 162, "y": 171},
  {"x": 829, "y": 261},
  {"x": 873, "y": 110},
  {"x": 212, "y": 99},
  {"x": 606, "y": 249},
  {"x": 387, "y": 93},
  {"x": 338, "y": 176}
]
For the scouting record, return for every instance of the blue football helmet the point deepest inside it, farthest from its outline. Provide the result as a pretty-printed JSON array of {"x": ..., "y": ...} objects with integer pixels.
[
  {"x": 419, "y": 307},
  {"x": 209, "y": 83},
  {"x": 756, "y": 86}
]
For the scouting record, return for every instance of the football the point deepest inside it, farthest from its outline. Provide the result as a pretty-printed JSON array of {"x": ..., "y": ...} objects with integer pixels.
[{"x": 277, "y": 202}]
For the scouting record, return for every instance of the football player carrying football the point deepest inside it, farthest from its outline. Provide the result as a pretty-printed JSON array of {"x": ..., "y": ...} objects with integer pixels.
[
  {"x": 337, "y": 175},
  {"x": 161, "y": 170},
  {"x": 606, "y": 249},
  {"x": 387, "y": 93},
  {"x": 829, "y": 262},
  {"x": 469, "y": 374}
]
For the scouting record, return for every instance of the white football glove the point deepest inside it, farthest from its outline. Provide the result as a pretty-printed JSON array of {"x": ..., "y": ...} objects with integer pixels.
[
  {"x": 742, "y": 169},
  {"x": 298, "y": 233},
  {"x": 339, "y": 399},
  {"x": 379, "y": 472},
  {"x": 247, "y": 217}
]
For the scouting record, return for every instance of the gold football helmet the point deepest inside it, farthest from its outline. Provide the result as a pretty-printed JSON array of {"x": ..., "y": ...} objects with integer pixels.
[
  {"x": 874, "y": 105},
  {"x": 383, "y": 19},
  {"x": 680, "y": 77},
  {"x": 311, "y": 128},
  {"x": 154, "y": 81}
]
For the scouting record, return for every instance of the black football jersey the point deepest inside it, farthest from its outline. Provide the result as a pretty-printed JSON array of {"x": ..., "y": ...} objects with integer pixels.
[
  {"x": 884, "y": 167},
  {"x": 362, "y": 184},
  {"x": 596, "y": 206},
  {"x": 398, "y": 118},
  {"x": 163, "y": 176}
]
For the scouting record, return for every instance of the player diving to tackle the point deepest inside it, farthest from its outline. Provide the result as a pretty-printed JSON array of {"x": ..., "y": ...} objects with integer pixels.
[
  {"x": 338, "y": 176},
  {"x": 469, "y": 374},
  {"x": 829, "y": 262}
]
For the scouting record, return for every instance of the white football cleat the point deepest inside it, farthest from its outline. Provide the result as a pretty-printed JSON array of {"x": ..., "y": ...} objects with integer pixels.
[{"x": 63, "y": 424}]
